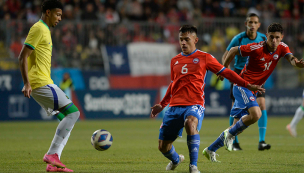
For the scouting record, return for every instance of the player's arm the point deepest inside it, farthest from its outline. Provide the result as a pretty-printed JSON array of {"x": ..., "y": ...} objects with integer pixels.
[
  {"x": 235, "y": 78},
  {"x": 25, "y": 52},
  {"x": 230, "y": 56},
  {"x": 165, "y": 101},
  {"x": 294, "y": 61},
  {"x": 214, "y": 66},
  {"x": 224, "y": 57}
]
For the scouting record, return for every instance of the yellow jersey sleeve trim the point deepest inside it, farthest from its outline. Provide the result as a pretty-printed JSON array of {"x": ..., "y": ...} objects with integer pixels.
[{"x": 30, "y": 45}]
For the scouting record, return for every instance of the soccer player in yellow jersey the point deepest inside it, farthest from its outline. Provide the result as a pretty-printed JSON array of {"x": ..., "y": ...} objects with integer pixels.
[{"x": 35, "y": 67}]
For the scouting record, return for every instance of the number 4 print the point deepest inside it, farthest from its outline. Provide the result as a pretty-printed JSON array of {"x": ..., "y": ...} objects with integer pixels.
[{"x": 267, "y": 65}]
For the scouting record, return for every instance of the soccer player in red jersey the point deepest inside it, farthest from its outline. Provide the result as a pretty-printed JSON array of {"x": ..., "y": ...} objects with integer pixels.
[
  {"x": 186, "y": 97},
  {"x": 262, "y": 59}
]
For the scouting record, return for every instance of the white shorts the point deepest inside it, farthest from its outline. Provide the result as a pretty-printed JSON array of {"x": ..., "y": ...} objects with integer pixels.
[{"x": 50, "y": 98}]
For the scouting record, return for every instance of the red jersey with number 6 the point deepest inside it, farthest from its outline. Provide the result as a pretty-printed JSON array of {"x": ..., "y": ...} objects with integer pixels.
[
  {"x": 188, "y": 74},
  {"x": 260, "y": 63}
]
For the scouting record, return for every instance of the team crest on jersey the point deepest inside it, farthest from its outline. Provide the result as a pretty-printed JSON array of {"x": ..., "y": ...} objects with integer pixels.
[
  {"x": 195, "y": 60},
  {"x": 252, "y": 98},
  {"x": 275, "y": 57}
]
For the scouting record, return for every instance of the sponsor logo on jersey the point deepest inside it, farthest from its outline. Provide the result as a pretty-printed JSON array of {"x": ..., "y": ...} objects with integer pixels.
[
  {"x": 195, "y": 60},
  {"x": 275, "y": 57},
  {"x": 176, "y": 63},
  {"x": 262, "y": 59},
  {"x": 252, "y": 98}
]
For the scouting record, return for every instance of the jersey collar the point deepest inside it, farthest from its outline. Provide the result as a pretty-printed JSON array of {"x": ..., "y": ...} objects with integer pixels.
[
  {"x": 190, "y": 53},
  {"x": 44, "y": 23}
]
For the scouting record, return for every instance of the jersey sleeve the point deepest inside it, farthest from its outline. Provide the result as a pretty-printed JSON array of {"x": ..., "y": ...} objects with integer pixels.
[
  {"x": 284, "y": 50},
  {"x": 33, "y": 37},
  {"x": 234, "y": 42},
  {"x": 213, "y": 65},
  {"x": 249, "y": 49}
]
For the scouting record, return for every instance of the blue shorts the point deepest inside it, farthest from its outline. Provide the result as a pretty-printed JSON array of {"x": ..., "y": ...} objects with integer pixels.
[
  {"x": 174, "y": 119},
  {"x": 244, "y": 99}
]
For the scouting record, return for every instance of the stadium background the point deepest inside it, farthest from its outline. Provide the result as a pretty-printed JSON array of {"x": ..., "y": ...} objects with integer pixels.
[{"x": 117, "y": 53}]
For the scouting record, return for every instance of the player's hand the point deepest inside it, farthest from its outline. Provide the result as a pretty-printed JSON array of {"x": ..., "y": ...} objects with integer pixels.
[
  {"x": 220, "y": 77},
  {"x": 256, "y": 88},
  {"x": 300, "y": 63},
  {"x": 155, "y": 110},
  {"x": 27, "y": 90}
]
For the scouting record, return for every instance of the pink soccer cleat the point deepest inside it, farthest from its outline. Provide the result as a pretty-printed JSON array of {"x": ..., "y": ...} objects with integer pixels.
[
  {"x": 53, "y": 160},
  {"x": 51, "y": 168}
]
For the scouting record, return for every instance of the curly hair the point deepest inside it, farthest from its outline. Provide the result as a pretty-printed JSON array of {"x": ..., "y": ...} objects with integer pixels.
[
  {"x": 51, "y": 4},
  {"x": 275, "y": 27}
]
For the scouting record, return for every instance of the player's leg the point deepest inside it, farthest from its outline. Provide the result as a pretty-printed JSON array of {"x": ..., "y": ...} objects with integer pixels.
[
  {"x": 52, "y": 98},
  {"x": 172, "y": 126},
  {"x": 262, "y": 123},
  {"x": 295, "y": 120},
  {"x": 193, "y": 122},
  {"x": 236, "y": 144},
  {"x": 247, "y": 109},
  {"x": 51, "y": 168}
]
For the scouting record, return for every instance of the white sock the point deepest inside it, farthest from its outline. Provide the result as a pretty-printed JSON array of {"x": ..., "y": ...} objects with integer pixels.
[
  {"x": 57, "y": 140},
  {"x": 297, "y": 117},
  {"x": 63, "y": 131},
  {"x": 62, "y": 145}
]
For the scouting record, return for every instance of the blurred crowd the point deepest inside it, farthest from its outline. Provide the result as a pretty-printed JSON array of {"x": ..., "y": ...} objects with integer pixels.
[
  {"x": 160, "y": 11},
  {"x": 88, "y": 24}
]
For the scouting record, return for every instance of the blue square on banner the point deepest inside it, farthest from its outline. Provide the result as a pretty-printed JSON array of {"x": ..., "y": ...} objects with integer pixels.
[{"x": 118, "y": 59}]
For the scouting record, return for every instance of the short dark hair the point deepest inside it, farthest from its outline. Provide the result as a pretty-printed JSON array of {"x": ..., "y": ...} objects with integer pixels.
[
  {"x": 252, "y": 15},
  {"x": 275, "y": 27},
  {"x": 188, "y": 28},
  {"x": 51, "y": 4}
]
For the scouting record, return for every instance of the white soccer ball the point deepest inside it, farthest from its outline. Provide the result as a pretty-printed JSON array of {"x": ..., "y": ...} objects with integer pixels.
[{"x": 101, "y": 140}]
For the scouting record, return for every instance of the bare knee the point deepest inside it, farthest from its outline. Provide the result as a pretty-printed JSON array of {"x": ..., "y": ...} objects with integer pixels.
[
  {"x": 191, "y": 125},
  {"x": 254, "y": 115},
  {"x": 164, "y": 146}
]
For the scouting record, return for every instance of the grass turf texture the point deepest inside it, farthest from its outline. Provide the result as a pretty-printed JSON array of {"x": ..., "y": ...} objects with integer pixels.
[{"x": 135, "y": 143}]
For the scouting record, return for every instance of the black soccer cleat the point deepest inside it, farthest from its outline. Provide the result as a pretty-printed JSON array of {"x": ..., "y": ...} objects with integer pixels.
[
  {"x": 263, "y": 146},
  {"x": 236, "y": 147}
]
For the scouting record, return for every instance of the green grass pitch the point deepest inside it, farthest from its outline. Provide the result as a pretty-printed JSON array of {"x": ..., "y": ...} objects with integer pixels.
[{"x": 135, "y": 143}]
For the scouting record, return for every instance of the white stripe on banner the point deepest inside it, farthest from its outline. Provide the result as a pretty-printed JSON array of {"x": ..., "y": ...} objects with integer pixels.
[
  {"x": 245, "y": 98},
  {"x": 150, "y": 58}
]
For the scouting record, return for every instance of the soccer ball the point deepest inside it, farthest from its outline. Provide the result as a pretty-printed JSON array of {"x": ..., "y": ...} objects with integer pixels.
[{"x": 101, "y": 140}]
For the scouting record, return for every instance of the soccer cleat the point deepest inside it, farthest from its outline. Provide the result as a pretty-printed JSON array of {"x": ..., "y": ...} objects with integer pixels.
[
  {"x": 291, "y": 130},
  {"x": 263, "y": 146},
  {"x": 51, "y": 168},
  {"x": 53, "y": 160},
  {"x": 228, "y": 141},
  {"x": 193, "y": 169},
  {"x": 236, "y": 147},
  {"x": 210, "y": 155},
  {"x": 172, "y": 166}
]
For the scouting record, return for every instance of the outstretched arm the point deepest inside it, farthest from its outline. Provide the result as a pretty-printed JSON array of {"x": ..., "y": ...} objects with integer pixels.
[
  {"x": 224, "y": 58},
  {"x": 235, "y": 78},
  {"x": 25, "y": 52},
  {"x": 294, "y": 61}
]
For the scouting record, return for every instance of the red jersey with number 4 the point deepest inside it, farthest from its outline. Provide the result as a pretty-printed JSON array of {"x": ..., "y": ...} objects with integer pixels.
[
  {"x": 188, "y": 74},
  {"x": 260, "y": 62}
]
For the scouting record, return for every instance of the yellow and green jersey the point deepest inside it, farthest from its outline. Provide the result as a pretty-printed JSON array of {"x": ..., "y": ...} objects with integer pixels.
[{"x": 39, "y": 62}]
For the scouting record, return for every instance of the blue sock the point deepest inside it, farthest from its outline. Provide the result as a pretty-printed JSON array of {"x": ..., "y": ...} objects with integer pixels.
[
  {"x": 218, "y": 143},
  {"x": 237, "y": 128},
  {"x": 231, "y": 119},
  {"x": 262, "y": 123},
  {"x": 172, "y": 155},
  {"x": 193, "y": 142}
]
